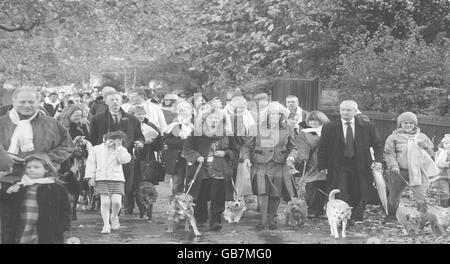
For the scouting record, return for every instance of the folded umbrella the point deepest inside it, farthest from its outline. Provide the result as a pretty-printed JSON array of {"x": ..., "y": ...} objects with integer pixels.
[{"x": 377, "y": 172}]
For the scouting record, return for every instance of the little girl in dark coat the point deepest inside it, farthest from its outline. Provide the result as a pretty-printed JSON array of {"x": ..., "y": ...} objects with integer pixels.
[{"x": 40, "y": 206}]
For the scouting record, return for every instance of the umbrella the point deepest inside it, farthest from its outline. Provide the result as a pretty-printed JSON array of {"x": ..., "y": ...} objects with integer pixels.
[{"x": 377, "y": 172}]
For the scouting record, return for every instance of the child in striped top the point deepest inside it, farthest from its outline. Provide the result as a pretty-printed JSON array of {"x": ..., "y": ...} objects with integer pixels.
[{"x": 45, "y": 211}]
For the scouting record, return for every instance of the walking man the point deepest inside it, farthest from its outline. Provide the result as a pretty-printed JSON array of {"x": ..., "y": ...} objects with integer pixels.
[{"x": 344, "y": 155}]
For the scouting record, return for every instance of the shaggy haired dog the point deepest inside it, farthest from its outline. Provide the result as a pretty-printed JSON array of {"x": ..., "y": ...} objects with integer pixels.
[
  {"x": 182, "y": 208},
  {"x": 409, "y": 218},
  {"x": 234, "y": 210},
  {"x": 295, "y": 213},
  {"x": 338, "y": 212}
]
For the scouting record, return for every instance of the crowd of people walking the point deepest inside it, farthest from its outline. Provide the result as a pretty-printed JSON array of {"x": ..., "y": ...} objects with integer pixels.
[{"x": 52, "y": 148}]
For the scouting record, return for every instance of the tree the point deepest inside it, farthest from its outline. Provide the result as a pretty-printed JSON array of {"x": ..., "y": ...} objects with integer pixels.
[{"x": 59, "y": 41}]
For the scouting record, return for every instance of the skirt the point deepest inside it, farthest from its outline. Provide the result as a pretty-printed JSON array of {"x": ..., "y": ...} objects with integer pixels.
[
  {"x": 110, "y": 187},
  {"x": 272, "y": 179}
]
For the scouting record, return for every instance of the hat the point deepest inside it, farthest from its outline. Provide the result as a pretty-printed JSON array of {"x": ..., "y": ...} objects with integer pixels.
[
  {"x": 261, "y": 96},
  {"x": 407, "y": 116},
  {"x": 108, "y": 89}
]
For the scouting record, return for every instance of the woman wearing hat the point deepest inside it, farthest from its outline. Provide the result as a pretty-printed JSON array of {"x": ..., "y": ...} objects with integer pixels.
[
  {"x": 408, "y": 154},
  {"x": 269, "y": 154},
  {"x": 214, "y": 152}
]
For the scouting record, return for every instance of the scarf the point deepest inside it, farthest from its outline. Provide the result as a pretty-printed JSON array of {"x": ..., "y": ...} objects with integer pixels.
[
  {"x": 247, "y": 118},
  {"x": 317, "y": 130},
  {"x": 22, "y": 138},
  {"x": 419, "y": 162},
  {"x": 149, "y": 133},
  {"x": 27, "y": 181},
  {"x": 29, "y": 215}
]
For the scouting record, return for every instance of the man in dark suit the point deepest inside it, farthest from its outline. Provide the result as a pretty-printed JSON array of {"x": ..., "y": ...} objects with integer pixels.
[
  {"x": 54, "y": 105},
  {"x": 344, "y": 155},
  {"x": 113, "y": 119}
]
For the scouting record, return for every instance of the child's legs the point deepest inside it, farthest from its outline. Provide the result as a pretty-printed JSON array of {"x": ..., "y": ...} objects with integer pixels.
[
  {"x": 217, "y": 199},
  {"x": 105, "y": 207},
  {"x": 116, "y": 200},
  {"x": 396, "y": 187}
]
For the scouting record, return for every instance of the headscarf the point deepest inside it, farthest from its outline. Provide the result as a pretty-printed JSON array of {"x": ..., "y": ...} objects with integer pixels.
[{"x": 66, "y": 113}]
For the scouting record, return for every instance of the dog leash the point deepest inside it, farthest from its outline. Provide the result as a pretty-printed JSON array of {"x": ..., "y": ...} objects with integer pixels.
[
  {"x": 414, "y": 191},
  {"x": 234, "y": 187},
  {"x": 195, "y": 176}
]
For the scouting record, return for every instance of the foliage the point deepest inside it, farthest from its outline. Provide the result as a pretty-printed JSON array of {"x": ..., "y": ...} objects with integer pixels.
[
  {"x": 59, "y": 41},
  {"x": 389, "y": 74}
]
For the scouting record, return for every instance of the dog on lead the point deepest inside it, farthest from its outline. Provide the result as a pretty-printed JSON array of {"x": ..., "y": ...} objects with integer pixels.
[
  {"x": 410, "y": 219},
  {"x": 295, "y": 213},
  {"x": 181, "y": 208},
  {"x": 234, "y": 210},
  {"x": 338, "y": 212},
  {"x": 146, "y": 196}
]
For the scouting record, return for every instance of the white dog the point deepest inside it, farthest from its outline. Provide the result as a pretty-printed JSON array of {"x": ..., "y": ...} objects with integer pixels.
[{"x": 338, "y": 212}]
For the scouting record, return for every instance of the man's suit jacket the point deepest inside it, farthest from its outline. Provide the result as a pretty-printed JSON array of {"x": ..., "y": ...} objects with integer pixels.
[{"x": 103, "y": 123}]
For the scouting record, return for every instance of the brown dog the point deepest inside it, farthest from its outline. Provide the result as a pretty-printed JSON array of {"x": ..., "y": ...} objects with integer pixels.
[{"x": 182, "y": 208}]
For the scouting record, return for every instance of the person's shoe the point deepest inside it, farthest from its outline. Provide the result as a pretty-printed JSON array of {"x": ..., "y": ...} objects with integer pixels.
[
  {"x": 115, "y": 225},
  {"x": 106, "y": 229},
  {"x": 310, "y": 216}
]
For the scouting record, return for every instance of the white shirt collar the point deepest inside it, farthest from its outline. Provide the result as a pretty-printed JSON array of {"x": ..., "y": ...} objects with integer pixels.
[{"x": 352, "y": 122}]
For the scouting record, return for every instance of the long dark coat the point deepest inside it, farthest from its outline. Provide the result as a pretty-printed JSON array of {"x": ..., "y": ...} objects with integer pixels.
[
  {"x": 199, "y": 146},
  {"x": 54, "y": 213},
  {"x": 173, "y": 145},
  {"x": 331, "y": 153}
]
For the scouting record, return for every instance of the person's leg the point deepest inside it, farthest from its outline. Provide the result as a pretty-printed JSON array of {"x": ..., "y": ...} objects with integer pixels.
[
  {"x": 320, "y": 198},
  {"x": 274, "y": 203},
  {"x": 443, "y": 192},
  {"x": 355, "y": 195},
  {"x": 128, "y": 172},
  {"x": 201, "y": 204},
  {"x": 116, "y": 202},
  {"x": 177, "y": 184},
  {"x": 396, "y": 187},
  {"x": 309, "y": 198},
  {"x": 263, "y": 203},
  {"x": 105, "y": 208},
  {"x": 217, "y": 202}
]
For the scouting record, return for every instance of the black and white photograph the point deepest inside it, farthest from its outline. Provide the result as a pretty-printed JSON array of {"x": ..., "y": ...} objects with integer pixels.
[{"x": 247, "y": 123}]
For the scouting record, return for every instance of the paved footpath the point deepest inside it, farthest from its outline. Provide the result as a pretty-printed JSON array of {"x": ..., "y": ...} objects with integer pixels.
[{"x": 138, "y": 231}]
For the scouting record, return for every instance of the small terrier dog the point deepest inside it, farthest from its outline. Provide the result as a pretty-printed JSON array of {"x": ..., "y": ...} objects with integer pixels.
[
  {"x": 181, "y": 207},
  {"x": 146, "y": 196},
  {"x": 338, "y": 212},
  {"x": 409, "y": 218},
  {"x": 295, "y": 213},
  {"x": 234, "y": 210},
  {"x": 439, "y": 218}
]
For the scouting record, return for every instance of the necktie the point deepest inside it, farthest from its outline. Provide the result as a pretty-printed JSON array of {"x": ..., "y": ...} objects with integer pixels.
[
  {"x": 349, "y": 142},
  {"x": 116, "y": 119}
]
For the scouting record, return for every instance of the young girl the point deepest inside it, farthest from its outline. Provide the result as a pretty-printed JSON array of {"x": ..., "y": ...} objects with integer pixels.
[
  {"x": 443, "y": 163},
  {"x": 104, "y": 171},
  {"x": 43, "y": 210}
]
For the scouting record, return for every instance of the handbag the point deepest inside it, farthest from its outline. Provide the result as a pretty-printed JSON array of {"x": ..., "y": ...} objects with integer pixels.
[
  {"x": 153, "y": 171},
  {"x": 243, "y": 181}
]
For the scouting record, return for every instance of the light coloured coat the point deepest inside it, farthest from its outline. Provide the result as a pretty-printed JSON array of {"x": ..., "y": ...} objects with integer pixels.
[{"x": 104, "y": 164}]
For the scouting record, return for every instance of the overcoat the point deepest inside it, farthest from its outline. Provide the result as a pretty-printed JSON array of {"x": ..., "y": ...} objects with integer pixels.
[
  {"x": 331, "y": 153},
  {"x": 54, "y": 213}
]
